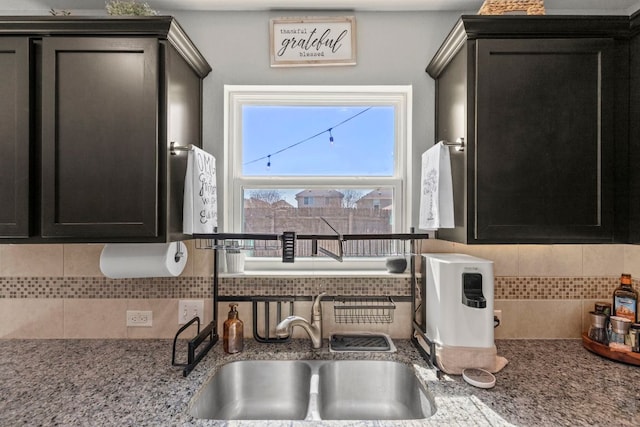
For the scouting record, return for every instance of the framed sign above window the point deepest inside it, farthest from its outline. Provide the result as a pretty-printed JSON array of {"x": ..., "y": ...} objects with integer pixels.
[{"x": 313, "y": 41}]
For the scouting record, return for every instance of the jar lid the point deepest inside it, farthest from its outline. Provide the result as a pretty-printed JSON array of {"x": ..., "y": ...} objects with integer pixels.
[
  {"x": 479, "y": 377},
  {"x": 619, "y": 324},
  {"x": 599, "y": 320}
]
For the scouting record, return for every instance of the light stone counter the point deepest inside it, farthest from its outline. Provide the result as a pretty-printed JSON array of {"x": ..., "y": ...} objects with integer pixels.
[{"x": 132, "y": 383}]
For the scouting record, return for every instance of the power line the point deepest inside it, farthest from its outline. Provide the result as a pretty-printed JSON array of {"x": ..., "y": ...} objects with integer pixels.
[{"x": 268, "y": 156}]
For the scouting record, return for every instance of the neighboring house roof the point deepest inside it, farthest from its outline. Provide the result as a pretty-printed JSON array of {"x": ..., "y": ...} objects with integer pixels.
[
  {"x": 282, "y": 204},
  {"x": 256, "y": 203},
  {"x": 378, "y": 194},
  {"x": 320, "y": 193}
]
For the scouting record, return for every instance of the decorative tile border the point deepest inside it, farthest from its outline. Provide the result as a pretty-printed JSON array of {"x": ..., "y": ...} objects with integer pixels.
[
  {"x": 506, "y": 288},
  {"x": 351, "y": 286},
  {"x": 198, "y": 287},
  {"x": 102, "y": 287},
  {"x": 557, "y": 287}
]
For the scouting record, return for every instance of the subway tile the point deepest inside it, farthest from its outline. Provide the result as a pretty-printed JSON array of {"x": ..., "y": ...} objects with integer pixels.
[
  {"x": 572, "y": 274},
  {"x": 602, "y": 260},
  {"x": 402, "y": 325},
  {"x": 504, "y": 257},
  {"x": 31, "y": 318},
  {"x": 540, "y": 319},
  {"x": 32, "y": 260},
  {"x": 549, "y": 260},
  {"x": 533, "y": 260},
  {"x": 95, "y": 318},
  {"x": 82, "y": 260},
  {"x": 632, "y": 260},
  {"x": 436, "y": 246},
  {"x": 566, "y": 260},
  {"x": 202, "y": 262}
]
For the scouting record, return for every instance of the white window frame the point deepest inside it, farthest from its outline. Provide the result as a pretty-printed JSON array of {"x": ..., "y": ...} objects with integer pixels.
[{"x": 236, "y": 96}]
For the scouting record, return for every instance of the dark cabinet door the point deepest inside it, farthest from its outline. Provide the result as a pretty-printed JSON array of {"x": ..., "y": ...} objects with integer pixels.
[
  {"x": 453, "y": 112},
  {"x": 544, "y": 141},
  {"x": 634, "y": 139},
  {"x": 14, "y": 137},
  {"x": 99, "y": 137}
]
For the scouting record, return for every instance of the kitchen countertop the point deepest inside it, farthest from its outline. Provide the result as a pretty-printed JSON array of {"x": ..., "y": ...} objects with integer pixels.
[{"x": 132, "y": 382}]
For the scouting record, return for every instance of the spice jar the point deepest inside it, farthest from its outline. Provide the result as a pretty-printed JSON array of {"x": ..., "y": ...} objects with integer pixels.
[
  {"x": 634, "y": 337},
  {"x": 617, "y": 334},
  {"x": 603, "y": 307},
  {"x": 598, "y": 328}
]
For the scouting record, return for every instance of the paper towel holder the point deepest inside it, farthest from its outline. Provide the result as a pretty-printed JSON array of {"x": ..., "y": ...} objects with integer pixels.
[
  {"x": 173, "y": 148},
  {"x": 459, "y": 144},
  {"x": 179, "y": 253}
]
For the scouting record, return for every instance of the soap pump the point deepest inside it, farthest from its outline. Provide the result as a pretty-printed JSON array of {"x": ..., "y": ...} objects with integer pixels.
[{"x": 232, "y": 337}]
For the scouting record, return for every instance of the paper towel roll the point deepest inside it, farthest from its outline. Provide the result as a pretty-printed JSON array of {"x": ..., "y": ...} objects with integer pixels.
[{"x": 130, "y": 260}]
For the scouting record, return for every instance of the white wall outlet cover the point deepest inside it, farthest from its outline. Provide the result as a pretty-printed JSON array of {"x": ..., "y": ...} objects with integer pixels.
[
  {"x": 188, "y": 309},
  {"x": 139, "y": 318}
]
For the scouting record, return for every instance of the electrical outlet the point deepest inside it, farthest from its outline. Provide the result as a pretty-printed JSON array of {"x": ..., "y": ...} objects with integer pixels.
[
  {"x": 139, "y": 318},
  {"x": 497, "y": 316},
  {"x": 188, "y": 309}
]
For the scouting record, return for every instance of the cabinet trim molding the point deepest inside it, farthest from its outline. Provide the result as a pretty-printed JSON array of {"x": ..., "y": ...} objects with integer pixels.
[
  {"x": 471, "y": 27},
  {"x": 164, "y": 27}
]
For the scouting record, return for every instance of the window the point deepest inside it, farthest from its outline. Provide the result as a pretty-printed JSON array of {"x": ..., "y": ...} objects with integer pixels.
[{"x": 317, "y": 160}]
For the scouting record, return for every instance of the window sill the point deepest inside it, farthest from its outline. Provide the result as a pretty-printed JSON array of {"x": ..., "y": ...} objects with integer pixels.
[{"x": 316, "y": 273}]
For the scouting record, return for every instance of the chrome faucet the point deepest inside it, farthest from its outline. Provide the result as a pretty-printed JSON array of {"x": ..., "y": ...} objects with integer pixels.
[{"x": 314, "y": 329}]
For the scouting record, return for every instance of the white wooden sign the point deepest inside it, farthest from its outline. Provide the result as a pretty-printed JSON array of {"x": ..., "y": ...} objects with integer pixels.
[{"x": 303, "y": 42}]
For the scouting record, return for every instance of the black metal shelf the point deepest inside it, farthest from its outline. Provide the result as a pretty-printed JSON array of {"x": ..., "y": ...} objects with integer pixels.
[{"x": 286, "y": 238}]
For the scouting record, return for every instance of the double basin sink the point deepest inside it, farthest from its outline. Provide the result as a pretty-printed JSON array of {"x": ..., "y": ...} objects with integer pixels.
[{"x": 313, "y": 390}]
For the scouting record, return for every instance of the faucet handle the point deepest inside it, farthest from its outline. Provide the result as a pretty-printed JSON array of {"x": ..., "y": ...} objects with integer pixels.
[{"x": 316, "y": 308}]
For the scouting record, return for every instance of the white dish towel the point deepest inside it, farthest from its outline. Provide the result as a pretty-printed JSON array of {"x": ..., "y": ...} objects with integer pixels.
[
  {"x": 200, "y": 206},
  {"x": 436, "y": 195}
]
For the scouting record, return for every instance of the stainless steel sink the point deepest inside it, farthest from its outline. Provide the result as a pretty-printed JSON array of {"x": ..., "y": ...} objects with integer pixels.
[
  {"x": 256, "y": 390},
  {"x": 313, "y": 390},
  {"x": 370, "y": 390}
]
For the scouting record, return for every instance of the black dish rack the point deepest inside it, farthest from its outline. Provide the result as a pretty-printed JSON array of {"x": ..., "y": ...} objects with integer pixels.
[{"x": 347, "y": 313}]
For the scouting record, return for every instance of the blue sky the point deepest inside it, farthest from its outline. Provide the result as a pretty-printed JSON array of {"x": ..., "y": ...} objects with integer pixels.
[{"x": 362, "y": 146}]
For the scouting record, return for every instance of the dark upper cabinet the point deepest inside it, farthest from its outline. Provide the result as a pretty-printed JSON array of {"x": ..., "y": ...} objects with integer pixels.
[
  {"x": 109, "y": 97},
  {"x": 14, "y": 137},
  {"x": 634, "y": 132},
  {"x": 100, "y": 137},
  {"x": 541, "y": 104}
]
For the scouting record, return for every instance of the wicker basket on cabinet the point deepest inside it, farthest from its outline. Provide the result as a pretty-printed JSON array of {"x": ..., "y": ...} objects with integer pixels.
[{"x": 500, "y": 7}]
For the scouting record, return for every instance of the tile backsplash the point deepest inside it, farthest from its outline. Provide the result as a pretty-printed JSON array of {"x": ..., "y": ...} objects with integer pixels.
[{"x": 58, "y": 291}]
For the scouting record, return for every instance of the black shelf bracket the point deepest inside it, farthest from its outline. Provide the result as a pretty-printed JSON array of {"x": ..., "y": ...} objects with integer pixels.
[{"x": 192, "y": 358}]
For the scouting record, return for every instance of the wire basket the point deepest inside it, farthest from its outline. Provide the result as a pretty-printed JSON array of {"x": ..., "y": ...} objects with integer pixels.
[
  {"x": 363, "y": 309},
  {"x": 257, "y": 247}
]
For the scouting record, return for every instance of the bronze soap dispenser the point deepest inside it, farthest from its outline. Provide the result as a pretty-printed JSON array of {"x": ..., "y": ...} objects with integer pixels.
[{"x": 232, "y": 337}]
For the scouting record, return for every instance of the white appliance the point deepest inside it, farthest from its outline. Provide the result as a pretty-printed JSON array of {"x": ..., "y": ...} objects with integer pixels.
[{"x": 459, "y": 300}]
